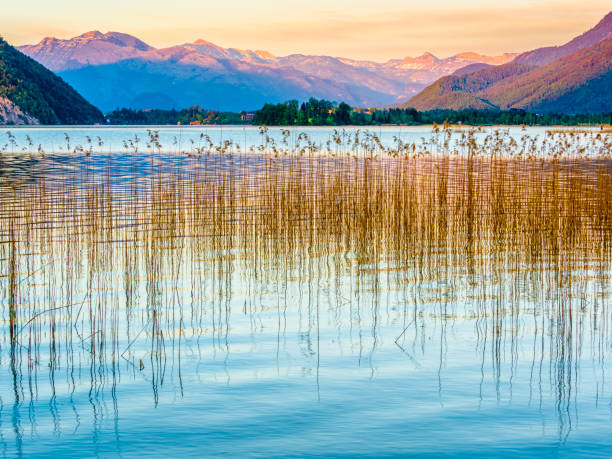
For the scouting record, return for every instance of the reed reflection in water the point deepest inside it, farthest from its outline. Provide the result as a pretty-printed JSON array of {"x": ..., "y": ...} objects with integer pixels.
[{"x": 309, "y": 302}]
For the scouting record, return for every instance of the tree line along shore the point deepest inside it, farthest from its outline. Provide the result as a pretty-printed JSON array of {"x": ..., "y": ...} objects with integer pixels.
[{"x": 316, "y": 112}]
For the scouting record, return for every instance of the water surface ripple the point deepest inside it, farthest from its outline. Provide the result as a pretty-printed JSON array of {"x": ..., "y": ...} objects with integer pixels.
[{"x": 354, "y": 302}]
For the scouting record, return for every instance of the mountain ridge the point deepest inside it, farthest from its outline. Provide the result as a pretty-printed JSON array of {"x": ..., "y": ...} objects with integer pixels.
[
  {"x": 576, "y": 83},
  {"x": 201, "y": 70},
  {"x": 118, "y": 70},
  {"x": 544, "y": 79}
]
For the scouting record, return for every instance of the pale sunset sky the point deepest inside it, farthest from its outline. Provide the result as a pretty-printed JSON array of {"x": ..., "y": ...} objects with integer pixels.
[{"x": 375, "y": 30}]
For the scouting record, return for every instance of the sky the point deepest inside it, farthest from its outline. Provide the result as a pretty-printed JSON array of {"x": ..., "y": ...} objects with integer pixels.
[{"x": 375, "y": 29}]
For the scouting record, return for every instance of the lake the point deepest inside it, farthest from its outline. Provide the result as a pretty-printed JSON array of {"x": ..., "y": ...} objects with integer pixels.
[
  {"x": 125, "y": 139},
  {"x": 392, "y": 292}
]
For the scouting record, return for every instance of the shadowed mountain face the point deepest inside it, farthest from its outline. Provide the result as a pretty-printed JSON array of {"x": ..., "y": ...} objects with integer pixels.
[
  {"x": 30, "y": 93},
  {"x": 114, "y": 70},
  {"x": 573, "y": 78}
]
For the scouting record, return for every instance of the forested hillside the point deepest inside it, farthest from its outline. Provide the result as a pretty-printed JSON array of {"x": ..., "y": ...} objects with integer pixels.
[{"x": 40, "y": 93}]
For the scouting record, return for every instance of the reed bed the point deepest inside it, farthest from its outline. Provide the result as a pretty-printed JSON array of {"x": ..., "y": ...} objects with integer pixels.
[{"x": 100, "y": 268}]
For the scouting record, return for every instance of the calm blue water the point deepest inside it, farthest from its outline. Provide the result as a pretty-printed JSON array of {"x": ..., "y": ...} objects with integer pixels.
[
  {"x": 295, "y": 357},
  {"x": 173, "y": 139}
]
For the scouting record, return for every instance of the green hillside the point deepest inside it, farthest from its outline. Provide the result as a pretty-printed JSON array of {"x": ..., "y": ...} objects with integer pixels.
[{"x": 40, "y": 93}]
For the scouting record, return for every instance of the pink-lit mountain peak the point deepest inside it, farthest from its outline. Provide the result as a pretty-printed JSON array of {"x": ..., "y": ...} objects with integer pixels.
[
  {"x": 91, "y": 35},
  {"x": 90, "y": 48},
  {"x": 115, "y": 38},
  {"x": 425, "y": 57}
]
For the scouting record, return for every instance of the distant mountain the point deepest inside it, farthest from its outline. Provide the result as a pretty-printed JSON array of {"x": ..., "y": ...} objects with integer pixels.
[
  {"x": 576, "y": 82},
  {"x": 31, "y": 94},
  {"x": 431, "y": 63},
  {"x": 225, "y": 85},
  {"x": 115, "y": 70},
  {"x": 91, "y": 48}
]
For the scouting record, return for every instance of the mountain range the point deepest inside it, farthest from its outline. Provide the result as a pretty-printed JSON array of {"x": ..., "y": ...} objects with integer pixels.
[
  {"x": 118, "y": 70},
  {"x": 573, "y": 78},
  {"x": 32, "y": 94},
  {"x": 112, "y": 70}
]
